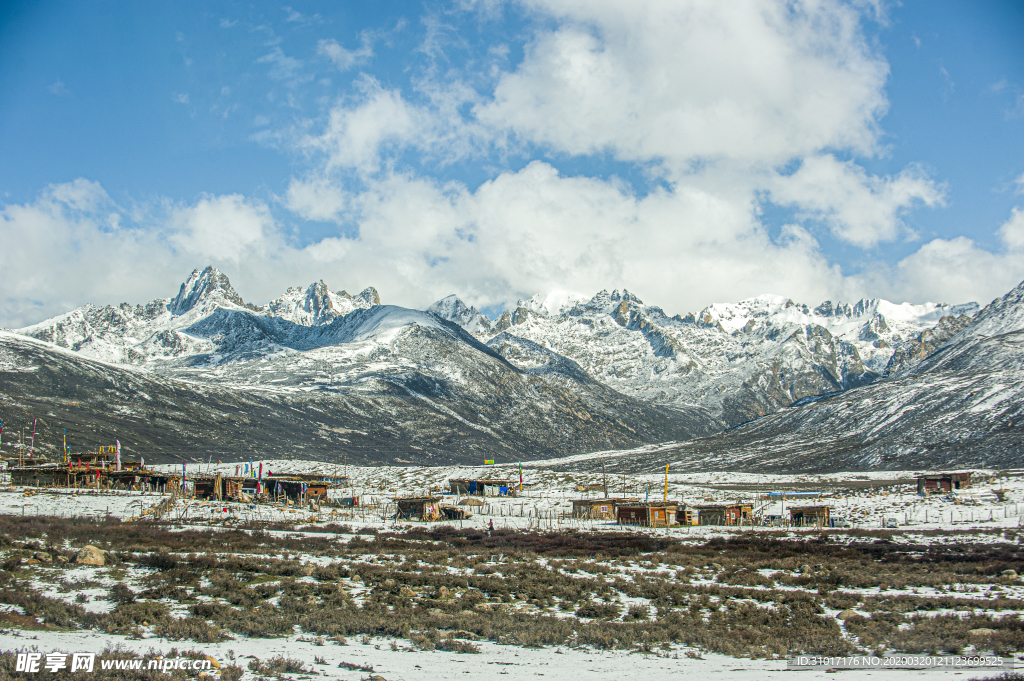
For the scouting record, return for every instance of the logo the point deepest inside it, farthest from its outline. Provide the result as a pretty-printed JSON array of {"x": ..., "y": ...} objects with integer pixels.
[{"x": 52, "y": 663}]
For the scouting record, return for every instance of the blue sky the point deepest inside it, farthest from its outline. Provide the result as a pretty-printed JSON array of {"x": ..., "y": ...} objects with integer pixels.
[{"x": 691, "y": 153}]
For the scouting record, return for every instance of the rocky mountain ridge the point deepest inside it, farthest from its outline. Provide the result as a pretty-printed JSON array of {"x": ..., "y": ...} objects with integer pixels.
[
  {"x": 960, "y": 406},
  {"x": 367, "y": 379},
  {"x": 739, "y": 360},
  {"x": 554, "y": 375}
]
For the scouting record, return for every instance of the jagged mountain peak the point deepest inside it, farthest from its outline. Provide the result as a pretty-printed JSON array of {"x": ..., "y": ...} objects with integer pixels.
[
  {"x": 452, "y": 309},
  {"x": 369, "y": 296},
  {"x": 211, "y": 285},
  {"x": 317, "y": 304},
  {"x": 551, "y": 304}
]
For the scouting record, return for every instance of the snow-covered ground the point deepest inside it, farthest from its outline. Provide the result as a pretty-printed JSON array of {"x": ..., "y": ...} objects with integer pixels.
[
  {"x": 405, "y": 664},
  {"x": 543, "y": 504}
]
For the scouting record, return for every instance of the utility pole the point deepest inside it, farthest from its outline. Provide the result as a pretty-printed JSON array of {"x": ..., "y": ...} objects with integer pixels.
[{"x": 605, "y": 476}]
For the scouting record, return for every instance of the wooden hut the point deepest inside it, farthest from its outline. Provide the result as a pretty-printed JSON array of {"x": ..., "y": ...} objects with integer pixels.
[
  {"x": 809, "y": 516},
  {"x": 455, "y": 512},
  {"x": 295, "y": 489},
  {"x": 687, "y": 515},
  {"x": 646, "y": 515},
  {"x": 725, "y": 514},
  {"x": 937, "y": 483},
  {"x": 484, "y": 487},
  {"x": 419, "y": 508},
  {"x": 598, "y": 509}
]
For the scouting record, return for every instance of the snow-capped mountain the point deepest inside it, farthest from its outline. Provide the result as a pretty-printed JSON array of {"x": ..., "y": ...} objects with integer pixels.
[
  {"x": 960, "y": 406},
  {"x": 379, "y": 382},
  {"x": 155, "y": 331},
  {"x": 454, "y": 310},
  {"x": 863, "y": 384},
  {"x": 316, "y": 304},
  {"x": 1002, "y": 315},
  {"x": 739, "y": 360}
]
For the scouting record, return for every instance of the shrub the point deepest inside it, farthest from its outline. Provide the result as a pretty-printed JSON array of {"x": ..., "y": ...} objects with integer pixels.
[
  {"x": 121, "y": 594},
  {"x": 189, "y": 628},
  {"x": 599, "y": 611},
  {"x": 451, "y": 645}
]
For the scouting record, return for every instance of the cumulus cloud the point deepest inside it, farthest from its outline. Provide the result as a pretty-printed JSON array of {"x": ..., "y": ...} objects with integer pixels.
[
  {"x": 1012, "y": 231},
  {"x": 677, "y": 82},
  {"x": 227, "y": 228},
  {"x": 315, "y": 199},
  {"x": 356, "y": 133},
  {"x": 957, "y": 270},
  {"x": 859, "y": 208},
  {"x": 69, "y": 247}
]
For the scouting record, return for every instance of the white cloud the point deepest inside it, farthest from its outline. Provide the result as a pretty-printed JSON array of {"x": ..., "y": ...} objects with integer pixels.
[
  {"x": 956, "y": 270},
  {"x": 227, "y": 228},
  {"x": 345, "y": 59},
  {"x": 294, "y": 16},
  {"x": 521, "y": 233},
  {"x": 354, "y": 136},
  {"x": 315, "y": 199},
  {"x": 534, "y": 230},
  {"x": 284, "y": 68},
  {"x": 713, "y": 96},
  {"x": 1012, "y": 231},
  {"x": 68, "y": 247},
  {"x": 678, "y": 82},
  {"x": 859, "y": 208}
]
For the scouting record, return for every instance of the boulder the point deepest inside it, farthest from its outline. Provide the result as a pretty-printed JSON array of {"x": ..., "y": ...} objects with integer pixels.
[
  {"x": 847, "y": 615},
  {"x": 443, "y": 593},
  {"x": 406, "y": 592},
  {"x": 90, "y": 555},
  {"x": 43, "y": 557},
  {"x": 981, "y": 632},
  {"x": 1012, "y": 574}
]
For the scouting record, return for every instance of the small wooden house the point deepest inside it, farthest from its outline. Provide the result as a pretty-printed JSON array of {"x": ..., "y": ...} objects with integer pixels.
[
  {"x": 455, "y": 512},
  {"x": 295, "y": 489},
  {"x": 484, "y": 487},
  {"x": 687, "y": 515},
  {"x": 725, "y": 514},
  {"x": 809, "y": 516},
  {"x": 646, "y": 515},
  {"x": 419, "y": 508},
  {"x": 937, "y": 483},
  {"x": 598, "y": 509}
]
